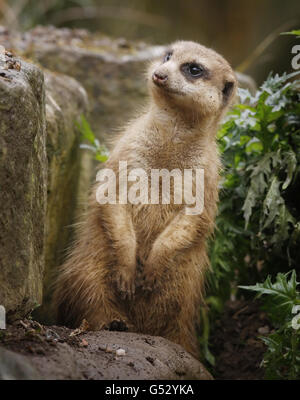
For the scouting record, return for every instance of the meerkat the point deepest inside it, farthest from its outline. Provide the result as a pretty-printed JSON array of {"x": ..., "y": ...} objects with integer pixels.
[{"x": 145, "y": 264}]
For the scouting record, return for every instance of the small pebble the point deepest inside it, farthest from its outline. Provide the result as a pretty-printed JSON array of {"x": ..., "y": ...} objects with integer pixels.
[
  {"x": 84, "y": 343},
  {"x": 120, "y": 352},
  {"x": 263, "y": 330}
]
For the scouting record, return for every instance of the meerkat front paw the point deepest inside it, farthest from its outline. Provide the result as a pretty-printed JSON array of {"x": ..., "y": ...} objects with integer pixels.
[
  {"x": 125, "y": 282},
  {"x": 118, "y": 325},
  {"x": 150, "y": 281},
  {"x": 151, "y": 275},
  {"x": 153, "y": 269}
]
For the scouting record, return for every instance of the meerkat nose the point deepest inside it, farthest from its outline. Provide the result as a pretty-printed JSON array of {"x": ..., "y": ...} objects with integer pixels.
[{"x": 158, "y": 77}]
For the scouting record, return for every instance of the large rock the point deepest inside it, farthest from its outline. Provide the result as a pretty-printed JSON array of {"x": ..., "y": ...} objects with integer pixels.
[
  {"x": 14, "y": 366},
  {"x": 36, "y": 130},
  {"x": 51, "y": 353},
  {"x": 66, "y": 100},
  {"x": 23, "y": 181},
  {"x": 111, "y": 70}
]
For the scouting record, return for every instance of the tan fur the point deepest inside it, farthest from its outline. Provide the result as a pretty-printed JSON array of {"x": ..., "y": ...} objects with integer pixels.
[{"x": 145, "y": 264}]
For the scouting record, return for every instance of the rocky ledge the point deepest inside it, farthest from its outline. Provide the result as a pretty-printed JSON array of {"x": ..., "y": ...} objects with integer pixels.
[{"x": 29, "y": 350}]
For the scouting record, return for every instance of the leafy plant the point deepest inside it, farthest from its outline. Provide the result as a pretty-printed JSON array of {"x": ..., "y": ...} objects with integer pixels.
[
  {"x": 258, "y": 227},
  {"x": 100, "y": 151},
  {"x": 281, "y": 301}
]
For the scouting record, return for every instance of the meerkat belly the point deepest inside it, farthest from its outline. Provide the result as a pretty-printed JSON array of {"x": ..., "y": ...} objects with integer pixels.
[{"x": 178, "y": 291}]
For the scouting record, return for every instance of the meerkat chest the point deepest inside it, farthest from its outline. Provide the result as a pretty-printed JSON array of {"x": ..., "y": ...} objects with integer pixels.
[
  {"x": 149, "y": 221},
  {"x": 160, "y": 184},
  {"x": 161, "y": 196}
]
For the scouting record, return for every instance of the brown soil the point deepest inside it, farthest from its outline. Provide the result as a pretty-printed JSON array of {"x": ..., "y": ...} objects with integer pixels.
[
  {"x": 235, "y": 343},
  {"x": 29, "y": 350},
  {"x": 30, "y": 337}
]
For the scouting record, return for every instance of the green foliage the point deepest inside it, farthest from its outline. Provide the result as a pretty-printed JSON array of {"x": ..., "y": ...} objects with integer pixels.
[
  {"x": 281, "y": 301},
  {"x": 204, "y": 338},
  {"x": 258, "y": 226},
  {"x": 100, "y": 151},
  {"x": 294, "y": 33}
]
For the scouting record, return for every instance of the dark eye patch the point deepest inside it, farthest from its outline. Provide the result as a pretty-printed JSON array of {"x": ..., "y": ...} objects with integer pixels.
[
  {"x": 194, "y": 71},
  {"x": 168, "y": 55}
]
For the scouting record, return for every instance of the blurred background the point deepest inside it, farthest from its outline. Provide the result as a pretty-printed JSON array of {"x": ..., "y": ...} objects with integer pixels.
[{"x": 245, "y": 32}]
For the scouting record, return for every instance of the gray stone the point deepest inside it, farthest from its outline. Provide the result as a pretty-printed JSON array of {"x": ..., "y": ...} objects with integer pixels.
[
  {"x": 23, "y": 179},
  {"x": 66, "y": 100},
  {"x": 34, "y": 129},
  {"x": 14, "y": 366},
  {"x": 110, "y": 70},
  {"x": 92, "y": 356}
]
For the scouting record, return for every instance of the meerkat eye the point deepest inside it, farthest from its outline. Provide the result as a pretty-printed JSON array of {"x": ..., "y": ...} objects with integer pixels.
[
  {"x": 195, "y": 70},
  {"x": 168, "y": 56}
]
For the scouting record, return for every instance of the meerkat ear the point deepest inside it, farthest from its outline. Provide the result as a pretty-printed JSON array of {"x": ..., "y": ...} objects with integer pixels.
[{"x": 227, "y": 90}]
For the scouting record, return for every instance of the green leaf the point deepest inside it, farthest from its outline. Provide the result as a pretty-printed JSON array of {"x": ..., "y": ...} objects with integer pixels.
[
  {"x": 85, "y": 129},
  {"x": 291, "y": 162},
  {"x": 271, "y": 203},
  {"x": 284, "y": 291},
  {"x": 295, "y": 32},
  {"x": 101, "y": 157},
  {"x": 100, "y": 151},
  {"x": 250, "y": 202}
]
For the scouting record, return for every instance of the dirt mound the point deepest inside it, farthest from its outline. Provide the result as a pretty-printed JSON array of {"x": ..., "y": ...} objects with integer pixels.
[
  {"x": 50, "y": 352},
  {"x": 235, "y": 342}
]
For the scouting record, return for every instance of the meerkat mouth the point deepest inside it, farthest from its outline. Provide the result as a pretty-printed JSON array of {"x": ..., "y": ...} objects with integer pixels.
[
  {"x": 164, "y": 86},
  {"x": 174, "y": 91}
]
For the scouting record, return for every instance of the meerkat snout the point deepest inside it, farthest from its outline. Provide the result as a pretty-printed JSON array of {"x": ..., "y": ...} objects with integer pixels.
[{"x": 159, "y": 78}]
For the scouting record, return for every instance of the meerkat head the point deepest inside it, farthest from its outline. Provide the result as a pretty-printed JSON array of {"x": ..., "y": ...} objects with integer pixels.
[{"x": 193, "y": 78}]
